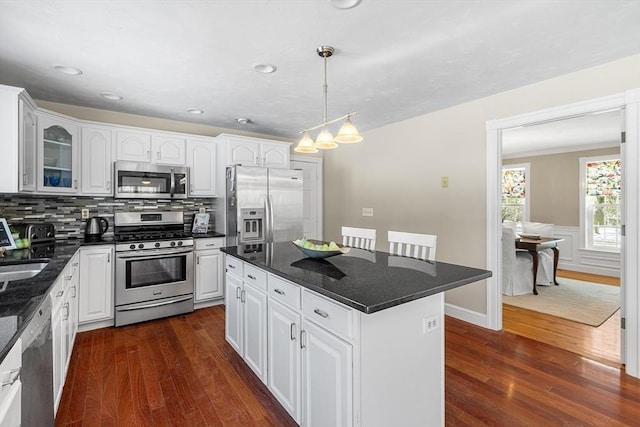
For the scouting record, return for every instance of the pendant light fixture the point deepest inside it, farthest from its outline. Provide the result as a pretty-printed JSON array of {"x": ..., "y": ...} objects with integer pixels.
[{"x": 325, "y": 140}]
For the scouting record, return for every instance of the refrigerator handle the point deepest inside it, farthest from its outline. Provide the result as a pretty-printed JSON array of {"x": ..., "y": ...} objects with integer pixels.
[{"x": 268, "y": 208}]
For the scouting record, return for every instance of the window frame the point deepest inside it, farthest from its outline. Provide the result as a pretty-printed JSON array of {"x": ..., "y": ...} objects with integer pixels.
[
  {"x": 584, "y": 241},
  {"x": 527, "y": 187}
]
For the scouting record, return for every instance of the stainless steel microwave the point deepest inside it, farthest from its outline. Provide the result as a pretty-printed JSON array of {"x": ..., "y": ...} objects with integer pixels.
[{"x": 136, "y": 180}]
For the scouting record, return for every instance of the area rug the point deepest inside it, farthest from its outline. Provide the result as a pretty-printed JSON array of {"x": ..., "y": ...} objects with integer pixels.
[{"x": 575, "y": 300}]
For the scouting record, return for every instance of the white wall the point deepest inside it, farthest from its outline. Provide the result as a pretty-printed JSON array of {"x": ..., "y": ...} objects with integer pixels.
[{"x": 397, "y": 169}]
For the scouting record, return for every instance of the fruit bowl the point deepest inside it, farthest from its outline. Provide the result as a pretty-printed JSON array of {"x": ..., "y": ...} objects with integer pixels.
[{"x": 319, "y": 249}]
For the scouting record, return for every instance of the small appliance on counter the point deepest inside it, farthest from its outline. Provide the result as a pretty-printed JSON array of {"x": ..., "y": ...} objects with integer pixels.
[
  {"x": 95, "y": 228},
  {"x": 36, "y": 233}
]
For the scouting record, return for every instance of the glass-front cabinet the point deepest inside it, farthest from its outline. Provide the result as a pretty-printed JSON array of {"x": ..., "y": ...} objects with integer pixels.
[{"x": 58, "y": 144}]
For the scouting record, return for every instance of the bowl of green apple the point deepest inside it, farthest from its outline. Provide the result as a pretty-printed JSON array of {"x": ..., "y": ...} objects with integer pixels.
[{"x": 318, "y": 248}]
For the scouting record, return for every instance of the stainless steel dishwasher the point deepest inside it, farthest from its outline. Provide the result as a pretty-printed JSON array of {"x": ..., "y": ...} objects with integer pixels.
[{"x": 37, "y": 369}]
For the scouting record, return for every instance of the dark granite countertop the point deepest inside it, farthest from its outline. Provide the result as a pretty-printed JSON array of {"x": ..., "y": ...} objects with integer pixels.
[
  {"x": 367, "y": 281},
  {"x": 20, "y": 298}
]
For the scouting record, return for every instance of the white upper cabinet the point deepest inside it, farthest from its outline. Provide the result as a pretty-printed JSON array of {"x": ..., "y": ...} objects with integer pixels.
[
  {"x": 201, "y": 159},
  {"x": 58, "y": 153},
  {"x": 254, "y": 151},
  {"x": 150, "y": 148},
  {"x": 18, "y": 139},
  {"x": 96, "y": 162}
]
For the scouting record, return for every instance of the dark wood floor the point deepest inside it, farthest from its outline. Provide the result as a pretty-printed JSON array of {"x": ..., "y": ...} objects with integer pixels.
[
  {"x": 180, "y": 371},
  {"x": 601, "y": 343}
]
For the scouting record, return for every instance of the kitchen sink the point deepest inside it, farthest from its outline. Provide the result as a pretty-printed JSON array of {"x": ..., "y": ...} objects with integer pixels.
[{"x": 20, "y": 271}]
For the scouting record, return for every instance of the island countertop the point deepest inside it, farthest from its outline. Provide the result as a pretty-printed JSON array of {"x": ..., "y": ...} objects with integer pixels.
[{"x": 365, "y": 280}]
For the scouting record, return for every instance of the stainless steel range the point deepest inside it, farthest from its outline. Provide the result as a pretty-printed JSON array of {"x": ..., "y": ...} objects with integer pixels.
[{"x": 154, "y": 266}]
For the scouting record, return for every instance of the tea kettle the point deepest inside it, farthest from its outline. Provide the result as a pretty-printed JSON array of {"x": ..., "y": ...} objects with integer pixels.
[{"x": 95, "y": 228}]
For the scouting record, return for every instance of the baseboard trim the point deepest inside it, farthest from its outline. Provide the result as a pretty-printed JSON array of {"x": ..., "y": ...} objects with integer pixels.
[
  {"x": 84, "y": 327},
  {"x": 470, "y": 316}
]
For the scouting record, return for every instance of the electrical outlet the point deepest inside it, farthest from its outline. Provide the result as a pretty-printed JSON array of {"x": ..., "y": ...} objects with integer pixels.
[
  {"x": 430, "y": 324},
  {"x": 444, "y": 182},
  {"x": 367, "y": 211},
  {"x": 85, "y": 213},
  {"x": 202, "y": 210}
]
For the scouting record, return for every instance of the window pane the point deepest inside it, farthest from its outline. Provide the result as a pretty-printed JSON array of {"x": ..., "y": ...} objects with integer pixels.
[
  {"x": 602, "y": 202},
  {"x": 513, "y": 194}
]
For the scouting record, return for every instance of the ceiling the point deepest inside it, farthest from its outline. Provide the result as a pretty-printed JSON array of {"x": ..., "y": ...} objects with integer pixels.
[{"x": 394, "y": 59}]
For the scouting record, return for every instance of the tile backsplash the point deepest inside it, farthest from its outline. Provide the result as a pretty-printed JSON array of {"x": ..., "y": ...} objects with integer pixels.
[{"x": 65, "y": 212}]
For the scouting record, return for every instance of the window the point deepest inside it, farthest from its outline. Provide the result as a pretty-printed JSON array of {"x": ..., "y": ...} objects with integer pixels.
[
  {"x": 600, "y": 202},
  {"x": 515, "y": 189}
]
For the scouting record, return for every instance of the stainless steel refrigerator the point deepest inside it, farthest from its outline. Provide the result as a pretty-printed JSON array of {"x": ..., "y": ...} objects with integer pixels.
[{"x": 263, "y": 205}]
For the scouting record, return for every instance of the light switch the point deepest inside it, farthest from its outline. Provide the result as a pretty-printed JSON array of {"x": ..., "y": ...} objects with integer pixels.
[
  {"x": 444, "y": 182},
  {"x": 85, "y": 213}
]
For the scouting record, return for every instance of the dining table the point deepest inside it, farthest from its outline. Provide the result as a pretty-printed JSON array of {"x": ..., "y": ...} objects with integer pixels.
[{"x": 534, "y": 245}]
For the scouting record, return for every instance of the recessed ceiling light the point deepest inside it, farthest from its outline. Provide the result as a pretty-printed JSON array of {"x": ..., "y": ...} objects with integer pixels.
[
  {"x": 243, "y": 121},
  {"x": 68, "y": 70},
  {"x": 345, "y": 4},
  {"x": 265, "y": 68},
  {"x": 111, "y": 96},
  {"x": 195, "y": 111}
]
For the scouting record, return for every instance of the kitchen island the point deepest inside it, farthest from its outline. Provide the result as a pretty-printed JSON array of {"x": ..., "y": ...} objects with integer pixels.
[{"x": 355, "y": 339}]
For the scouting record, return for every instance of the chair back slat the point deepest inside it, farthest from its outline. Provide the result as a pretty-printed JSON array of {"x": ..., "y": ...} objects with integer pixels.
[
  {"x": 362, "y": 238},
  {"x": 414, "y": 245}
]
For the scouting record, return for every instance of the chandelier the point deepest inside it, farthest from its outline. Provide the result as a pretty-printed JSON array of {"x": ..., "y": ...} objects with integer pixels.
[{"x": 325, "y": 140}]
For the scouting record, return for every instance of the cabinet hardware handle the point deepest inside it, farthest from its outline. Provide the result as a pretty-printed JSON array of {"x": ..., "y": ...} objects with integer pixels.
[
  {"x": 158, "y": 155},
  {"x": 278, "y": 291},
  {"x": 68, "y": 278},
  {"x": 66, "y": 306},
  {"x": 243, "y": 299},
  {"x": 303, "y": 334},
  {"x": 293, "y": 332},
  {"x": 14, "y": 375},
  {"x": 251, "y": 277},
  {"x": 75, "y": 184},
  {"x": 148, "y": 154},
  {"x": 24, "y": 178},
  {"x": 75, "y": 264},
  {"x": 191, "y": 188},
  {"x": 237, "y": 293},
  {"x": 74, "y": 292},
  {"x": 321, "y": 313},
  {"x": 108, "y": 257},
  {"x": 211, "y": 244},
  {"x": 231, "y": 266},
  {"x": 257, "y": 160},
  {"x": 198, "y": 260},
  {"x": 108, "y": 185},
  {"x": 60, "y": 293}
]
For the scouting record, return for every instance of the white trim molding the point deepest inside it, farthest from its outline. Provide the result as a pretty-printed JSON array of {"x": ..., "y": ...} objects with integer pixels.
[{"x": 629, "y": 101}]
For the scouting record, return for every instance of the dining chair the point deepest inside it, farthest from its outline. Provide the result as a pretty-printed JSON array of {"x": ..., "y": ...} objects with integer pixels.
[
  {"x": 516, "y": 266},
  {"x": 545, "y": 256},
  {"x": 414, "y": 245},
  {"x": 363, "y": 238}
]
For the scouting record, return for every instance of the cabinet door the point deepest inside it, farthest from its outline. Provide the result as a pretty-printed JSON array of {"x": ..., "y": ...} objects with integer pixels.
[
  {"x": 11, "y": 387},
  {"x": 133, "y": 146},
  {"x": 169, "y": 150},
  {"x": 246, "y": 153},
  {"x": 96, "y": 284},
  {"x": 27, "y": 143},
  {"x": 208, "y": 275},
  {"x": 275, "y": 155},
  {"x": 74, "y": 286},
  {"x": 57, "y": 155},
  {"x": 255, "y": 330},
  {"x": 233, "y": 312},
  {"x": 283, "y": 355},
  {"x": 97, "y": 161},
  {"x": 57, "y": 332},
  {"x": 201, "y": 160},
  {"x": 327, "y": 378}
]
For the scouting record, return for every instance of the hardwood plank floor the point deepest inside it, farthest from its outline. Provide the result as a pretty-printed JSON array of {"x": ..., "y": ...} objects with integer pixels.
[
  {"x": 601, "y": 343},
  {"x": 181, "y": 371}
]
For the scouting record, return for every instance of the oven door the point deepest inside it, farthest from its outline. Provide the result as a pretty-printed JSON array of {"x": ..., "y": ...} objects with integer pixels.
[{"x": 153, "y": 274}]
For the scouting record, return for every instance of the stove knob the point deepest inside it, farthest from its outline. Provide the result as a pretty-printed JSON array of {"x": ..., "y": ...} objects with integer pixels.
[
  {"x": 132, "y": 246},
  {"x": 140, "y": 246},
  {"x": 172, "y": 243},
  {"x": 180, "y": 243},
  {"x": 157, "y": 244}
]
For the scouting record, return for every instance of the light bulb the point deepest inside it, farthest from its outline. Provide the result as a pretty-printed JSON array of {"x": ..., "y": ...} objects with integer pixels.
[
  {"x": 348, "y": 133},
  {"x": 306, "y": 145},
  {"x": 325, "y": 140}
]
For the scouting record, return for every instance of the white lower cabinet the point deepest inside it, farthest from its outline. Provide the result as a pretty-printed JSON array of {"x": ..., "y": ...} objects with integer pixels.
[
  {"x": 208, "y": 269},
  {"x": 64, "y": 323},
  {"x": 96, "y": 278},
  {"x": 11, "y": 387},
  {"x": 327, "y": 378},
  {"x": 246, "y": 319},
  {"x": 284, "y": 358}
]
